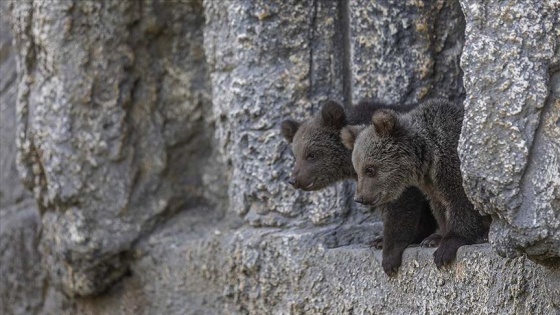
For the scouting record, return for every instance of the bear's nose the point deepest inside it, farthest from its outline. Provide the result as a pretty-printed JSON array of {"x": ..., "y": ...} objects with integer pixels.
[{"x": 359, "y": 199}]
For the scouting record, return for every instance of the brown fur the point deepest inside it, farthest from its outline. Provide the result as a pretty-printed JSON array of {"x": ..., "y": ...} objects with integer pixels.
[
  {"x": 418, "y": 149},
  {"x": 322, "y": 160}
]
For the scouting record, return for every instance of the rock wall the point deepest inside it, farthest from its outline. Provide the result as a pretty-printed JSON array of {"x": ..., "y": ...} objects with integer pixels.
[
  {"x": 114, "y": 128},
  {"x": 147, "y": 133},
  {"x": 510, "y": 144},
  {"x": 269, "y": 60},
  {"x": 21, "y": 274},
  {"x": 405, "y": 51}
]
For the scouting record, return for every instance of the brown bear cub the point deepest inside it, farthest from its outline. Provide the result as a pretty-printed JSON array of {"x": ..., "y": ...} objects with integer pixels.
[
  {"x": 321, "y": 159},
  {"x": 418, "y": 148}
]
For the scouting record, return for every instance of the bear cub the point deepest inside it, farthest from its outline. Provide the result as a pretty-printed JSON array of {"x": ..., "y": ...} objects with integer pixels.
[
  {"x": 418, "y": 148},
  {"x": 321, "y": 159}
]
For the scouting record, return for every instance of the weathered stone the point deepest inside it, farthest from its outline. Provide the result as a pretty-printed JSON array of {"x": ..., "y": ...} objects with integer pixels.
[
  {"x": 405, "y": 51},
  {"x": 11, "y": 189},
  {"x": 272, "y": 59},
  {"x": 278, "y": 59},
  {"x": 510, "y": 144},
  {"x": 22, "y": 277},
  {"x": 270, "y": 271},
  {"x": 115, "y": 135},
  {"x": 114, "y": 127}
]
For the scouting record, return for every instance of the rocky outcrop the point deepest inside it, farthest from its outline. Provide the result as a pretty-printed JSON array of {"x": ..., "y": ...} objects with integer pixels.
[
  {"x": 113, "y": 128},
  {"x": 318, "y": 271},
  {"x": 510, "y": 144},
  {"x": 22, "y": 277},
  {"x": 405, "y": 51},
  {"x": 148, "y": 135}
]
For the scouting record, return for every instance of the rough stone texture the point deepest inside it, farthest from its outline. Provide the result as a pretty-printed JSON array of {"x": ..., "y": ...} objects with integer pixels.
[
  {"x": 114, "y": 127},
  {"x": 270, "y": 271},
  {"x": 272, "y": 59},
  {"x": 21, "y": 277},
  {"x": 118, "y": 106},
  {"x": 11, "y": 189},
  {"x": 405, "y": 51},
  {"x": 510, "y": 144}
]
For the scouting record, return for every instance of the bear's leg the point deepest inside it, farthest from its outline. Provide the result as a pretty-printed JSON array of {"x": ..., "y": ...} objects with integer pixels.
[
  {"x": 400, "y": 224},
  {"x": 466, "y": 227}
]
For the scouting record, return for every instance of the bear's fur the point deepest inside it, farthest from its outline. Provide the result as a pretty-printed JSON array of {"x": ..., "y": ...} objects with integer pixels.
[
  {"x": 322, "y": 160},
  {"x": 418, "y": 148}
]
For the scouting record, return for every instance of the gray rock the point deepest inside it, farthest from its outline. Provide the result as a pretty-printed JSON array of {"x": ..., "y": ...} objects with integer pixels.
[
  {"x": 22, "y": 278},
  {"x": 148, "y": 134},
  {"x": 114, "y": 128},
  {"x": 11, "y": 189},
  {"x": 270, "y": 60},
  {"x": 274, "y": 60},
  {"x": 405, "y": 51},
  {"x": 271, "y": 271},
  {"x": 510, "y": 144}
]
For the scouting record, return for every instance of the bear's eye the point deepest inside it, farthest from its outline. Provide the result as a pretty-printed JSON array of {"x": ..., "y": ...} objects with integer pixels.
[
  {"x": 310, "y": 156},
  {"x": 370, "y": 171}
]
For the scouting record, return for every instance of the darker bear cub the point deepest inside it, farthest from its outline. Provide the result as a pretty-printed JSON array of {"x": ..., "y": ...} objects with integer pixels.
[
  {"x": 418, "y": 148},
  {"x": 321, "y": 159}
]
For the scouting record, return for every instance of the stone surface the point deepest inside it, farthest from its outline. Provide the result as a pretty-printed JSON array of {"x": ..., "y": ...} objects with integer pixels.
[
  {"x": 148, "y": 133},
  {"x": 510, "y": 144},
  {"x": 269, "y": 60},
  {"x": 22, "y": 279},
  {"x": 11, "y": 189},
  {"x": 273, "y": 271},
  {"x": 275, "y": 59},
  {"x": 114, "y": 127},
  {"x": 405, "y": 51}
]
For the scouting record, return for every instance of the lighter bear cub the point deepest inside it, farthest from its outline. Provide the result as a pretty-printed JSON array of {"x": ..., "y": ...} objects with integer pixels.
[
  {"x": 418, "y": 148},
  {"x": 321, "y": 159}
]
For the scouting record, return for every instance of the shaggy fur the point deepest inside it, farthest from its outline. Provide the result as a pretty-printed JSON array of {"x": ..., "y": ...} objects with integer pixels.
[
  {"x": 322, "y": 160},
  {"x": 418, "y": 148}
]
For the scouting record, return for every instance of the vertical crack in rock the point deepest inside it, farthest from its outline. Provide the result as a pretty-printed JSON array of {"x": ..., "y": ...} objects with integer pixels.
[
  {"x": 346, "y": 51},
  {"x": 312, "y": 46},
  {"x": 398, "y": 50}
]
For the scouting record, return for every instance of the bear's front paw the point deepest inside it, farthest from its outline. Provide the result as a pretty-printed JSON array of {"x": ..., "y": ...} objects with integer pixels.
[
  {"x": 431, "y": 241},
  {"x": 391, "y": 263},
  {"x": 447, "y": 250}
]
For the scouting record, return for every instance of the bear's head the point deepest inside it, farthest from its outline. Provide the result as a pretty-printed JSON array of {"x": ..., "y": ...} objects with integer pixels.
[
  {"x": 320, "y": 157},
  {"x": 382, "y": 157}
]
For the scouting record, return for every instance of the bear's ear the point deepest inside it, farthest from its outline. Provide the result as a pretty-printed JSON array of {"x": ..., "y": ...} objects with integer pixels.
[
  {"x": 385, "y": 122},
  {"x": 288, "y": 129},
  {"x": 333, "y": 115},
  {"x": 349, "y": 134}
]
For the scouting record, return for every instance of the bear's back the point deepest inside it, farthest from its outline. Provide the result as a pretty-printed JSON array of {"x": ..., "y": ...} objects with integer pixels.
[
  {"x": 440, "y": 123},
  {"x": 361, "y": 113}
]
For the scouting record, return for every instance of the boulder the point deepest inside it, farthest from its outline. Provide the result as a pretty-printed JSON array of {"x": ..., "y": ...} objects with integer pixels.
[{"x": 510, "y": 142}]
